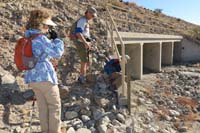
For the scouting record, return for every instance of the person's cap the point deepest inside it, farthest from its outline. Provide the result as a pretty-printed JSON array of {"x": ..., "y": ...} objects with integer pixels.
[
  {"x": 93, "y": 11},
  {"x": 49, "y": 22}
]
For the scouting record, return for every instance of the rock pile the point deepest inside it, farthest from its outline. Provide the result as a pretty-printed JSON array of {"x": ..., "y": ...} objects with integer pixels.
[
  {"x": 89, "y": 108},
  {"x": 95, "y": 108},
  {"x": 169, "y": 102}
]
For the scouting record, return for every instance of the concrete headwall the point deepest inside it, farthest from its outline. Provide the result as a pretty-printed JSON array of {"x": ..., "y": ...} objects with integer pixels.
[{"x": 190, "y": 51}]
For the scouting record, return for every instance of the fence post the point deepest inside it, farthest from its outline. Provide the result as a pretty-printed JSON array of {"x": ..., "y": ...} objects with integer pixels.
[
  {"x": 129, "y": 90},
  {"x": 112, "y": 37}
]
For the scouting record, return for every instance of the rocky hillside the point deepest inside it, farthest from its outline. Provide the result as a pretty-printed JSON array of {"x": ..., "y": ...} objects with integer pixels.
[
  {"x": 14, "y": 15},
  {"x": 93, "y": 107},
  {"x": 148, "y": 21}
]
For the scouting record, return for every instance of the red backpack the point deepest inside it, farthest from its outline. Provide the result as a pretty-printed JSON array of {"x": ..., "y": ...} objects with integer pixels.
[{"x": 23, "y": 57}]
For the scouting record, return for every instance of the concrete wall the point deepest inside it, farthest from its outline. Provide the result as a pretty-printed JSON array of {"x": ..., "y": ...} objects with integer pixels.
[
  {"x": 167, "y": 53},
  {"x": 135, "y": 64},
  {"x": 152, "y": 56},
  {"x": 190, "y": 51},
  {"x": 177, "y": 52}
]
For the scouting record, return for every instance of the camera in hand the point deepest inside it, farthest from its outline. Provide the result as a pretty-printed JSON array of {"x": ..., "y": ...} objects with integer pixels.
[{"x": 52, "y": 34}]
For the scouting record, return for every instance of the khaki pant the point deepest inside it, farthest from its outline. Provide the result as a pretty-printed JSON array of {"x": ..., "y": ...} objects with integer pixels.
[
  {"x": 83, "y": 53},
  {"x": 48, "y": 99}
]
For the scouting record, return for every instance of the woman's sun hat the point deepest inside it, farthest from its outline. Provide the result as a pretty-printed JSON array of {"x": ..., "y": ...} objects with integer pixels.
[{"x": 49, "y": 22}]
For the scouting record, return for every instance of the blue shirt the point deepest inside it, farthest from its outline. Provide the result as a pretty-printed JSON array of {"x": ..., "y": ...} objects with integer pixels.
[{"x": 44, "y": 70}]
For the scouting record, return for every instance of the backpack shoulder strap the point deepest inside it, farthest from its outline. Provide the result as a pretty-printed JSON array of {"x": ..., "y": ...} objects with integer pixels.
[
  {"x": 76, "y": 22},
  {"x": 34, "y": 36}
]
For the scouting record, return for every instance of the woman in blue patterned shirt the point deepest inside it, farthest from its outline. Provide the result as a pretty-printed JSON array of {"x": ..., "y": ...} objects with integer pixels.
[{"x": 42, "y": 78}]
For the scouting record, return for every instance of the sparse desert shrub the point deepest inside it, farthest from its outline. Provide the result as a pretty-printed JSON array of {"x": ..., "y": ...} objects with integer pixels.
[
  {"x": 117, "y": 3},
  {"x": 196, "y": 33},
  {"x": 157, "y": 12},
  {"x": 126, "y": 3},
  {"x": 178, "y": 19}
]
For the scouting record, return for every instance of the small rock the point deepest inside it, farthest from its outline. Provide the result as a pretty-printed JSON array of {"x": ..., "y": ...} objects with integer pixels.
[
  {"x": 94, "y": 60},
  {"x": 121, "y": 118},
  {"x": 111, "y": 115},
  {"x": 76, "y": 108},
  {"x": 25, "y": 125},
  {"x": 129, "y": 130},
  {"x": 83, "y": 130},
  {"x": 85, "y": 111},
  {"x": 182, "y": 129},
  {"x": 85, "y": 118},
  {"x": 97, "y": 114},
  {"x": 73, "y": 98},
  {"x": 90, "y": 123},
  {"x": 116, "y": 123},
  {"x": 77, "y": 124},
  {"x": 7, "y": 79},
  {"x": 93, "y": 130},
  {"x": 85, "y": 102},
  {"x": 129, "y": 122},
  {"x": 174, "y": 113},
  {"x": 165, "y": 131},
  {"x": 150, "y": 114},
  {"x": 64, "y": 90},
  {"x": 18, "y": 129},
  {"x": 198, "y": 108},
  {"x": 102, "y": 128},
  {"x": 71, "y": 115},
  {"x": 153, "y": 128},
  {"x": 114, "y": 108},
  {"x": 104, "y": 120},
  {"x": 141, "y": 100},
  {"x": 71, "y": 130},
  {"x": 102, "y": 102},
  {"x": 168, "y": 118}
]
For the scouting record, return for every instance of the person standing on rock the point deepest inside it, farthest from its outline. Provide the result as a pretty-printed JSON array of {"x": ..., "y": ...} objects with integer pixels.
[
  {"x": 42, "y": 78},
  {"x": 83, "y": 41}
]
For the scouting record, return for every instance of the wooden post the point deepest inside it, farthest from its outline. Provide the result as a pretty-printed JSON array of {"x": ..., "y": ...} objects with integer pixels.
[
  {"x": 129, "y": 90},
  {"x": 112, "y": 37}
]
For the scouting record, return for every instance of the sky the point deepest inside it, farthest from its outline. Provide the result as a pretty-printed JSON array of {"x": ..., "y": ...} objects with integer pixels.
[{"x": 188, "y": 10}]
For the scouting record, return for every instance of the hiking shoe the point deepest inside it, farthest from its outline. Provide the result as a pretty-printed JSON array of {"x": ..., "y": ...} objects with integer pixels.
[{"x": 82, "y": 80}]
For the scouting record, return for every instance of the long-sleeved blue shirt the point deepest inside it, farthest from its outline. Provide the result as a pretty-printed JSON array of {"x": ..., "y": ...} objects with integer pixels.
[{"x": 44, "y": 70}]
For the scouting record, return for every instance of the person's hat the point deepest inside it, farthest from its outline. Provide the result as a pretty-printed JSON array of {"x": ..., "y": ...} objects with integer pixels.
[
  {"x": 49, "y": 22},
  {"x": 93, "y": 11}
]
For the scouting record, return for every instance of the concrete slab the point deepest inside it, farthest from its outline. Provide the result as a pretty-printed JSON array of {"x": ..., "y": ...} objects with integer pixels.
[{"x": 147, "y": 36}]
